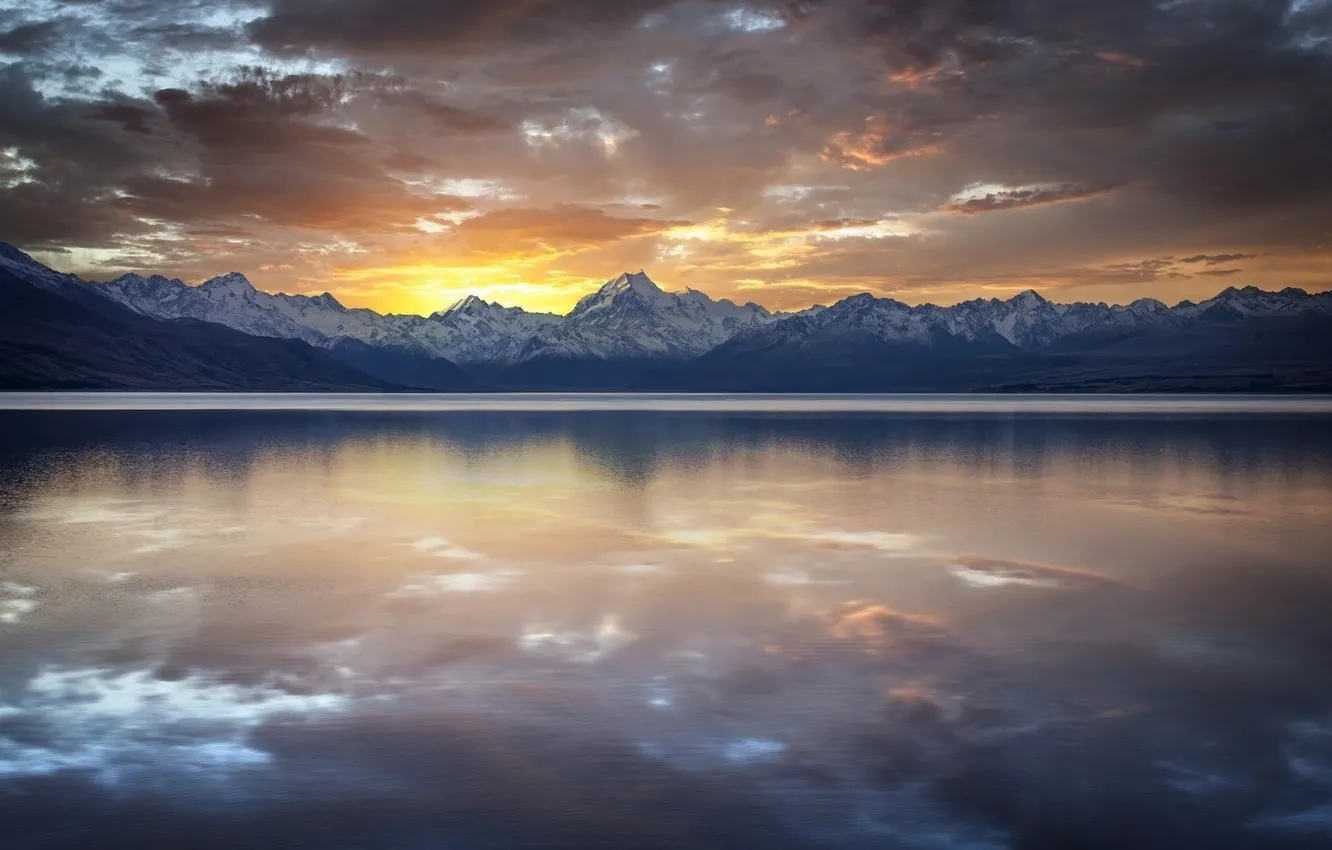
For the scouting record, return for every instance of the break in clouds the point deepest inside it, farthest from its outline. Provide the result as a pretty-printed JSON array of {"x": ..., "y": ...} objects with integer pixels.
[{"x": 403, "y": 152}]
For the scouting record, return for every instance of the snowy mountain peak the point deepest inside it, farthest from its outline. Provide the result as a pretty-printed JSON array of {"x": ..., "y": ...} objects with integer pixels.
[
  {"x": 469, "y": 304},
  {"x": 1148, "y": 305},
  {"x": 25, "y": 267},
  {"x": 1029, "y": 299},
  {"x": 12, "y": 255},
  {"x": 233, "y": 283},
  {"x": 637, "y": 282},
  {"x": 141, "y": 282},
  {"x": 327, "y": 300}
]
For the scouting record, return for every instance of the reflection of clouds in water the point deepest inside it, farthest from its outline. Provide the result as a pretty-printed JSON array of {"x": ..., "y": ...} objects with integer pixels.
[
  {"x": 868, "y": 725},
  {"x": 852, "y": 745},
  {"x": 1198, "y": 504},
  {"x": 157, "y": 540},
  {"x": 797, "y": 578},
  {"x": 330, "y": 525},
  {"x": 1307, "y": 752},
  {"x": 118, "y": 723},
  {"x": 16, "y": 601},
  {"x": 1197, "y": 782},
  {"x": 983, "y": 573},
  {"x": 149, "y": 528},
  {"x": 476, "y": 582},
  {"x": 642, "y": 569},
  {"x": 702, "y": 537},
  {"x": 882, "y": 541},
  {"x": 1221, "y": 651},
  {"x": 120, "y": 512},
  {"x": 584, "y": 647},
  {"x": 882, "y": 628},
  {"x": 977, "y": 578},
  {"x": 175, "y": 597},
  {"x": 753, "y": 751},
  {"x": 440, "y": 547}
]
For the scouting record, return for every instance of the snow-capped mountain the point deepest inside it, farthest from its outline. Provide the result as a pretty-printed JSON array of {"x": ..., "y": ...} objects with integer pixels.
[
  {"x": 631, "y": 317},
  {"x": 630, "y": 330},
  {"x": 480, "y": 331},
  {"x": 26, "y": 268},
  {"x": 470, "y": 331},
  {"x": 1242, "y": 339},
  {"x": 1028, "y": 321}
]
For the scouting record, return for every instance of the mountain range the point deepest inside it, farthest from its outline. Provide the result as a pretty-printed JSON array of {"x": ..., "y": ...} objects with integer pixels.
[{"x": 135, "y": 332}]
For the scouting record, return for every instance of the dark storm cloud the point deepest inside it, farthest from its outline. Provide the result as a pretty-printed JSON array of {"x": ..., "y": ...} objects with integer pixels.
[
  {"x": 178, "y": 36},
  {"x": 461, "y": 26},
  {"x": 455, "y": 119},
  {"x": 30, "y": 38},
  {"x": 1193, "y": 96},
  {"x": 72, "y": 162},
  {"x": 252, "y": 148}
]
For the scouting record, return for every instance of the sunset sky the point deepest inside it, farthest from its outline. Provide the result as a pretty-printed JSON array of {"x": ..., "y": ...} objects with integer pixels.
[{"x": 403, "y": 153}]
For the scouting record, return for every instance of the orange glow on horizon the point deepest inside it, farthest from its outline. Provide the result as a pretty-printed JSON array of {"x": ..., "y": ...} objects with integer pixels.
[{"x": 424, "y": 287}]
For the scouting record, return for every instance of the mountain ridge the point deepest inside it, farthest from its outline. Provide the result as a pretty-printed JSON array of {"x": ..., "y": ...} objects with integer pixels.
[
  {"x": 631, "y": 333},
  {"x": 61, "y": 335}
]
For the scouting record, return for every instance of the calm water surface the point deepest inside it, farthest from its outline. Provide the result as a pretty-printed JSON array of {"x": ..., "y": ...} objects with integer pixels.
[{"x": 514, "y": 622}]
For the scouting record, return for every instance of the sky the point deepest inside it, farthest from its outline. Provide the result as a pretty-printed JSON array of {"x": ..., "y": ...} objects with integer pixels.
[{"x": 404, "y": 153}]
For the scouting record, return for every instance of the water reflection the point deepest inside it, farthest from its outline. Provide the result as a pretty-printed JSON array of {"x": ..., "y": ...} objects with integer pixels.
[{"x": 664, "y": 629}]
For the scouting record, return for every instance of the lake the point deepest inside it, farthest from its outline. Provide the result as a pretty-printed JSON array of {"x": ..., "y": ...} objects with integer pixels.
[{"x": 665, "y": 622}]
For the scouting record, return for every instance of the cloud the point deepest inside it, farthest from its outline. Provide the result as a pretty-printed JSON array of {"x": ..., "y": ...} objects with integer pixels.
[
  {"x": 31, "y": 38},
  {"x": 979, "y": 199},
  {"x": 540, "y": 232},
  {"x": 1217, "y": 259},
  {"x": 465, "y": 27},
  {"x": 874, "y": 146},
  {"x": 316, "y": 140}
]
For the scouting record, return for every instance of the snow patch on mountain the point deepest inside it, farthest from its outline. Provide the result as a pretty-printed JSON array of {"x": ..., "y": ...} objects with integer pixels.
[
  {"x": 470, "y": 331},
  {"x": 631, "y": 317},
  {"x": 1028, "y": 320}
]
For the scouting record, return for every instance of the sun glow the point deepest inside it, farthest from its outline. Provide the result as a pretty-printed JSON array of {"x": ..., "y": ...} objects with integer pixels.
[{"x": 424, "y": 287}]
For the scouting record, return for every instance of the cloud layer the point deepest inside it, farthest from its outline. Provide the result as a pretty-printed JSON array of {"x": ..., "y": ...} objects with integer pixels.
[{"x": 401, "y": 152}]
